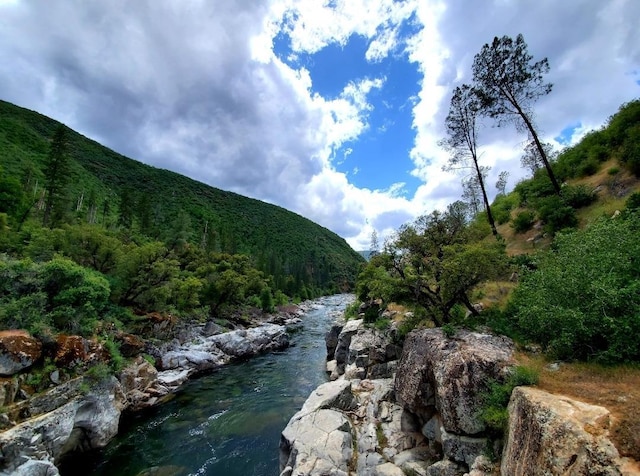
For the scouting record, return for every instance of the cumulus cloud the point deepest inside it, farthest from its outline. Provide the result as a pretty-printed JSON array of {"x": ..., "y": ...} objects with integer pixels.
[{"x": 197, "y": 88}]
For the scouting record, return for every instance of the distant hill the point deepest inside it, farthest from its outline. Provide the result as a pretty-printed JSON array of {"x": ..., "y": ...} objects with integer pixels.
[
  {"x": 366, "y": 254},
  {"x": 291, "y": 248}
]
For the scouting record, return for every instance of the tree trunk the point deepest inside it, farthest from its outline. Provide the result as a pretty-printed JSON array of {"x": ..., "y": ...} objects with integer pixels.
[
  {"x": 543, "y": 155},
  {"x": 492, "y": 222}
]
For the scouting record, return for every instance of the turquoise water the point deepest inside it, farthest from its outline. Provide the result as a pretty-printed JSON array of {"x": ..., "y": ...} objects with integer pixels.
[{"x": 226, "y": 423}]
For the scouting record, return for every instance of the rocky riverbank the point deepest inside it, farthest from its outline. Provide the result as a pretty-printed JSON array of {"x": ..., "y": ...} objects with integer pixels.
[
  {"x": 416, "y": 410},
  {"x": 83, "y": 413}
]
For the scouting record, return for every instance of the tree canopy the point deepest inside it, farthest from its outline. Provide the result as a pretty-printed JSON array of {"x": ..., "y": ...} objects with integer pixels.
[{"x": 508, "y": 83}]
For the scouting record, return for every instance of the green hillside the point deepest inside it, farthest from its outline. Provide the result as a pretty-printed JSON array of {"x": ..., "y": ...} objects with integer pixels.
[{"x": 165, "y": 206}]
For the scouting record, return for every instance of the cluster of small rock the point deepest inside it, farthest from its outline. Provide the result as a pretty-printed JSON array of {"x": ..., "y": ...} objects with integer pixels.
[{"x": 416, "y": 411}]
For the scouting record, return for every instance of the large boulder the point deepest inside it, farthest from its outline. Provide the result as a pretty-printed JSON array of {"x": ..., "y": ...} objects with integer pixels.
[
  {"x": 336, "y": 394},
  {"x": 74, "y": 350},
  {"x": 140, "y": 384},
  {"x": 341, "y": 353},
  {"x": 331, "y": 339},
  {"x": 246, "y": 343},
  {"x": 84, "y": 422},
  {"x": 18, "y": 351},
  {"x": 130, "y": 345},
  {"x": 318, "y": 438},
  {"x": 369, "y": 347},
  {"x": 553, "y": 434},
  {"x": 317, "y": 443},
  {"x": 450, "y": 374}
]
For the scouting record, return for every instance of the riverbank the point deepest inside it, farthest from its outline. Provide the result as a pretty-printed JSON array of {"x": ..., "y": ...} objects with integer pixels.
[
  {"x": 77, "y": 419},
  {"x": 420, "y": 411}
]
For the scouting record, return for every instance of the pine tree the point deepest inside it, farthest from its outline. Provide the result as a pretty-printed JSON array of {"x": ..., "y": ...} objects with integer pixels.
[{"x": 57, "y": 168}]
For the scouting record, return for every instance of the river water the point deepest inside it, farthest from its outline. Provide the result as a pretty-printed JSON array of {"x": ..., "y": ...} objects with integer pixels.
[{"x": 226, "y": 423}]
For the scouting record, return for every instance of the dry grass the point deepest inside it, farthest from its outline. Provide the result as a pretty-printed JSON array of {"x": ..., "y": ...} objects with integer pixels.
[
  {"x": 493, "y": 293},
  {"x": 609, "y": 200},
  {"x": 616, "y": 388}
]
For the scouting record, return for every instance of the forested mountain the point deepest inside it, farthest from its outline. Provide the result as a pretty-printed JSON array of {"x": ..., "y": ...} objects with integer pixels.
[{"x": 112, "y": 191}]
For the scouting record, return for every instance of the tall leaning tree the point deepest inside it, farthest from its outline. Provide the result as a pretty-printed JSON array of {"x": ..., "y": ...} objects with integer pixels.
[
  {"x": 461, "y": 141},
  {"x": 508, "y": 83}
]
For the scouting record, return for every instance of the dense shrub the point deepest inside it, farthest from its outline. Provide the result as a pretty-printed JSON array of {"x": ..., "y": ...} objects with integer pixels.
[
  {"x": 583, "y": 301},
  {"x": 58, "y": 295},
  {"x": 537, "y": 187},
  {"x": 502, "y": 206},
  {"x": 495, "y": 400},
  {"x": 555, "y": 214},
  {"x": 523, "y": 221},
  {"x": 578, "y": 196}
]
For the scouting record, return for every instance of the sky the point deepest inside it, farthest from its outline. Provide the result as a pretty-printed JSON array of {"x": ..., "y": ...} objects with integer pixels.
[{"x": 332, "y": 109}]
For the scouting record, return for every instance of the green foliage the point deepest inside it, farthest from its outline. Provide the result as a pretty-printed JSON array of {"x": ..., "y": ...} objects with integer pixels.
[
  {"x": 56, "y": 173},
  {"x": 382, "y": 323},
  {"x": 584, "y": 158},
  {"x": 555, "y": 214},
  {"x": 153, "y": 205},
  {"x": 502, "y": 206},
  {"x": 143, "y": 276},
  {"x": 432, "y": 263},
  {"x": 57, "y": 294},
  {"x": 633, "y": 202},
  {"x": 495, "y": 400},
  {"x": 266, "y": 300},
  {"x": 116, "y": 361},
  {"x": 578, "y": 196},
  {"x": 449, "y": 330},
  {"x": 624, "y": 134},
  {"x": 351, "y": 311},
  {"x": 583, "y": 300},
  {"x": 371, "y": 313},
  {"x": 523, "y": 221},
  {"x": 533, "y": 189},
  {"x": 99, "y": 372}
]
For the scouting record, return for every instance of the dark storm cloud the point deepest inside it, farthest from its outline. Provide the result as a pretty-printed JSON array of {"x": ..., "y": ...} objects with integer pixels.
[{"x": 167, "y": 83}]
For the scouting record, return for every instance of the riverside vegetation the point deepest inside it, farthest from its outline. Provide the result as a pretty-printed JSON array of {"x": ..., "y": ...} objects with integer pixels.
[{"x": 92, "y": 243}]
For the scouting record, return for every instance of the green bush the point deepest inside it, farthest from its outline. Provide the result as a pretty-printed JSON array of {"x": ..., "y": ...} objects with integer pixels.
[
  {"x": 495, "y": 400},
  {"x": 117, "y": 360},
  {"x": 588, "y": 167},
  {"x": 555, "y": 214},
  {"x": 502, "y": 206},
  {"x": 57, "y": 295},
  {"x": 266, "y": 300},
  {"x": 382, "y": 323},
  {"x": 578, "y": 196},
  {"x": 535, "y": 188},
  {"x": 633, "y": 202},
  {"x": 583, "y": 300},
  {"x": 351, "y": 311},
  {"x": 523, "y": 221}
]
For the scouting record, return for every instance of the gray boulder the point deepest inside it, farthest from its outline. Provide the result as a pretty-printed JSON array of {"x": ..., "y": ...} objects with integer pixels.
[
  {"x": 344, "y": 341},
  {"x": 331, "y": 339},
  {"x": 81, "y": 423},
  {"x": 450, "y": 374},
  {"x": 553, "y": 434},
  {"x": 317, "y": 443}
]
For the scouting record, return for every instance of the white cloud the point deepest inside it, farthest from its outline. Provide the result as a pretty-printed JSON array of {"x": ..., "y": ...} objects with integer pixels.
[{"x": 199, "y": 90}]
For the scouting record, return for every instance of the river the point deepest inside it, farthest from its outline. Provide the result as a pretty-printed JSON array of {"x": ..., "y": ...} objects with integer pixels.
[{"x": 226, "y": 423}]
